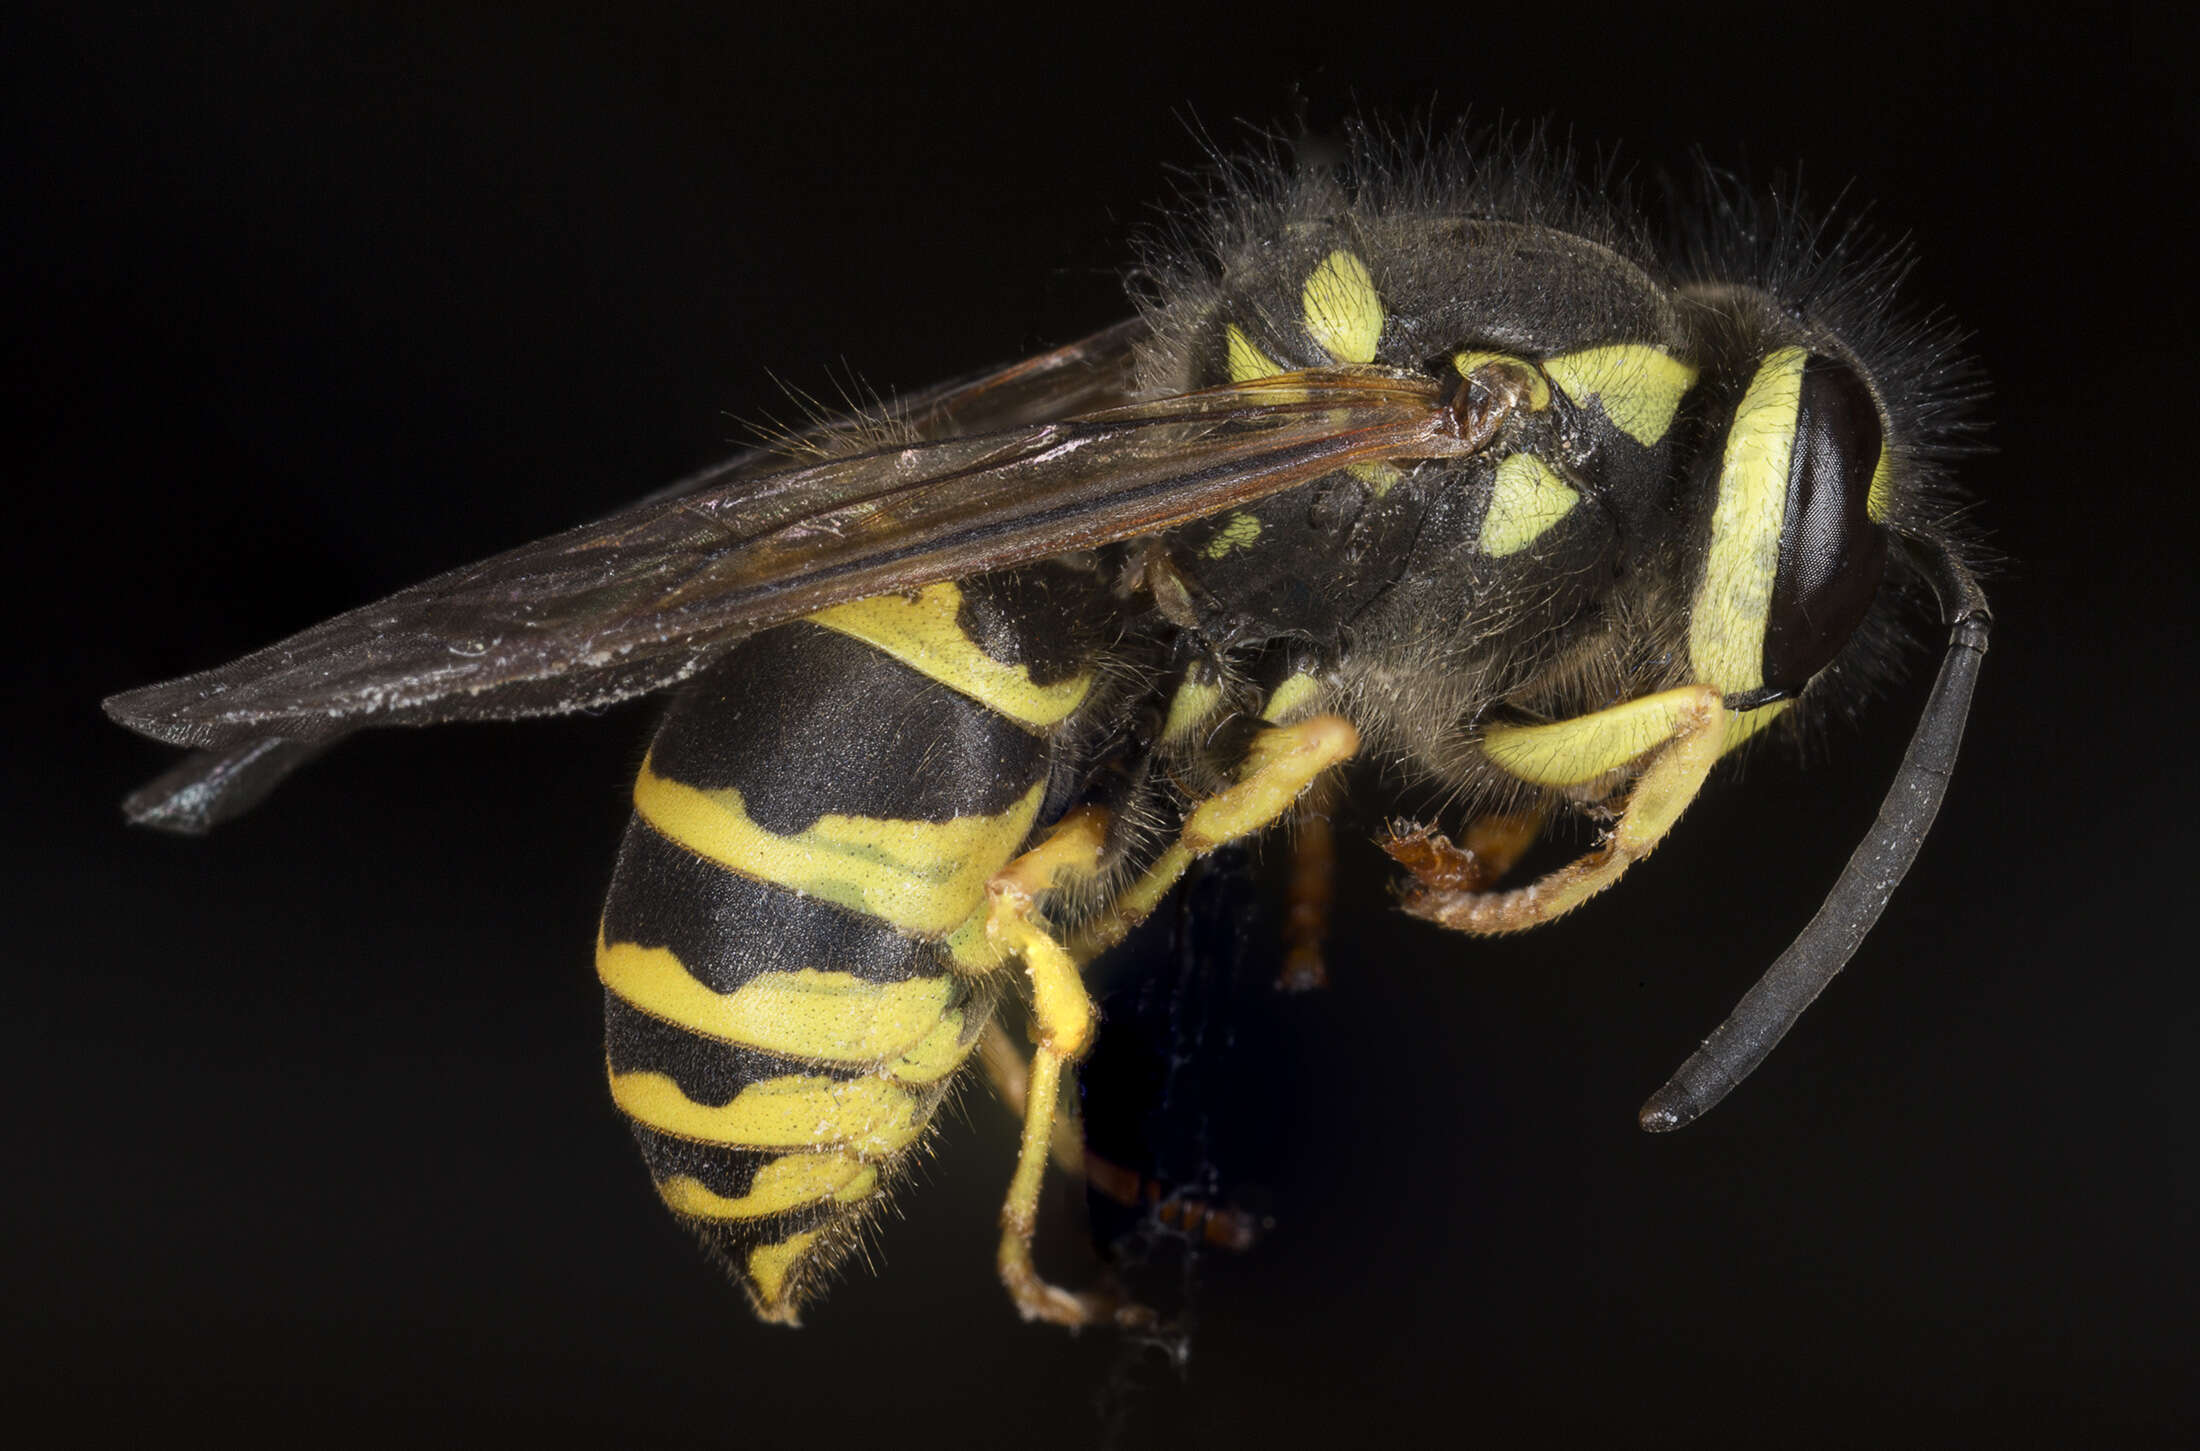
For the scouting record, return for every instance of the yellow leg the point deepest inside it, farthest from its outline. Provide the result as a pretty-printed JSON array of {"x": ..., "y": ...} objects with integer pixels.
[
  {"x": 1282, "y": 762},
  {"x": 1695, "y": 735},
  {"x": 1009, "y": 1072},
  {"x": 1062, "y": 1015}
]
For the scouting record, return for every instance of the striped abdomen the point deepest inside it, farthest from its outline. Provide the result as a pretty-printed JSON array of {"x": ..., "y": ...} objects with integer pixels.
[{"x": 793, "y": 947}]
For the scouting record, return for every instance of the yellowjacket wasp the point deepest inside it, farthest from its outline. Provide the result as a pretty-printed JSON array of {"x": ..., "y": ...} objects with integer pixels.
[{"x": 1432, "y": 459}]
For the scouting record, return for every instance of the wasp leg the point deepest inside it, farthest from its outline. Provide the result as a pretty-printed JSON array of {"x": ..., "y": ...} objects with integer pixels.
[
  {"x": 1215, "y": 1225},
  {"x": 1492, "y": 847},
  {"x": 1306, "y": 912},
  {"x": 1281, "y": 763},
  {"x": 1063, "y": 1017},
  {"x": 1692, "y": 731},
  {"x": 1009, "y": 1072}
]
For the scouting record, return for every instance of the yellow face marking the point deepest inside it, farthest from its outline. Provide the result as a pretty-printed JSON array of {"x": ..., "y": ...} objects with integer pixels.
[
  {"x": 1741, "y": 725},
  {"x": 1526, "y": 500},
  {"x": 770, "y": 1264},
  {"x": 1639, "y": 387},
  {"x": 1191, "y": 706},
  {"x": 781, "y": 1185},
  {"x": 923, "y": 633},
  {"x": 925, "y": 878},
  {"x": 1293, "y": 696},
  {"x": 1246, "y": 361},
  {"x": 833, "y": 1017},
  {"x": 1726, "y": 626},
  {"x": 1539, "y": 389},
  {"x": 1881, "y": 497},
  {"x": 869, "y": 1117},
  {"x": 1343, "y": 312},
  {"x": 1239, "y": 531},
  {"x": 1570, "y": 752}
]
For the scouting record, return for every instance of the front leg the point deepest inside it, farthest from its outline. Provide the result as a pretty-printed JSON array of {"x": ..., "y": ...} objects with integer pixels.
[{"x": 1684, "y": 731}]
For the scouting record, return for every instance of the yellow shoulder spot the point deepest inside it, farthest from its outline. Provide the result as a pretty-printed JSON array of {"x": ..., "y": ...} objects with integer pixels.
[
  {"x": 783, "y": 1184},
  {"x": 1239, "y": 531},
  {"x": 1246, "y": 361},
  {"x": 1526, "y": 499},
  {"x": 869, "y": 1117},
  {"x": 831, "y": 1017},
  {"x": 1726, "y": 623},
  {"x": 925, "y": 633},
  {"x": 1638, "y": 386},
  {"x": 925, "y": 878},
  {"x": 1343, "y": 311}
]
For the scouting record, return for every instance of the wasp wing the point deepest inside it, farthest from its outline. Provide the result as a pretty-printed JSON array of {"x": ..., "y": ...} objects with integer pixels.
[{"x": 644, "y": 599}]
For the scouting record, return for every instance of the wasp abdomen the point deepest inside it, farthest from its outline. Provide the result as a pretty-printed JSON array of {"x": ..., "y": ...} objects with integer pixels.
[{"x": 804, "y": 876}]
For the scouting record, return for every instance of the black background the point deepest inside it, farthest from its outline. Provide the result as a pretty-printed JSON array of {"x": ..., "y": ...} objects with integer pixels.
[{"x": 308, "y": 1137}]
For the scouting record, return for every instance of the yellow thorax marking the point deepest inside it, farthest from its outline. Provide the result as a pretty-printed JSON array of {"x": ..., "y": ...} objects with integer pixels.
[
  {"x": 924, "y": 632},
  {"x": 1726, "y": 627},
  {"x": 1526, "y": 500},
  {"x": 869, "y": 1117},
  {"x": 1343, "y": 312},
  {"x": 925, "y": 878},
  {"x": 1247, "y": 362},
  {"x": 834, "y": 1017},
  {"x": 1191, "y": 705},
  {"x": 1639, "y": 387},
  {"x": 783, "y": 1184},
  {"x": 1290, "y": 698},
  {"x": 1238, "y": 531}
]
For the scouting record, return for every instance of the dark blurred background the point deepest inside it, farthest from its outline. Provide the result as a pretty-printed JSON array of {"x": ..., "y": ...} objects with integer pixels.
[{"x": 307, "y": 1134}]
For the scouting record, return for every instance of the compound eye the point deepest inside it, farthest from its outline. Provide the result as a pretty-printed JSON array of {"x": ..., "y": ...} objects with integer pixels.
[{"x": 1832, "y": 550}]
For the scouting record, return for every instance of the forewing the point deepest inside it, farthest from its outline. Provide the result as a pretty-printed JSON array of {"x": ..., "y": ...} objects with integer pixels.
[{"x": 647, "y": 597}]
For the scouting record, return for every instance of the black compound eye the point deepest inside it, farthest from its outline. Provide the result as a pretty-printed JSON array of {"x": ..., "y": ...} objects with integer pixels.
[{"x": 1832, "y": 553}]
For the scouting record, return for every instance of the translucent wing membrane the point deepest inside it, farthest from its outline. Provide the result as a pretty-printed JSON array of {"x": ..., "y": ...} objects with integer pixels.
[{"x": 643, "y": 599}]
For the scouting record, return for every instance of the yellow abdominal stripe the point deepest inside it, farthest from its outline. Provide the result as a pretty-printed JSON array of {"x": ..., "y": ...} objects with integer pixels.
[
  {"x": 924, "y": 632},
  {"x": 769, "y": 1266},
  {"x": 1526, "y": 499},
  {"x": 905, "y": 1028},
  {"x": 1726, "y": 628},
  {"x": 783, "y": 1184},
  {"x": 1639, "y": 387},
  {"x": 924, "y": 878},
  {"x": 871, "y": 1118}
]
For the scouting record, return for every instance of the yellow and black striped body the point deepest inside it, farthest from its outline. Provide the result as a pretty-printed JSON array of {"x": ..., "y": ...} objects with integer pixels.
[{"x": 793, "y": 947}]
